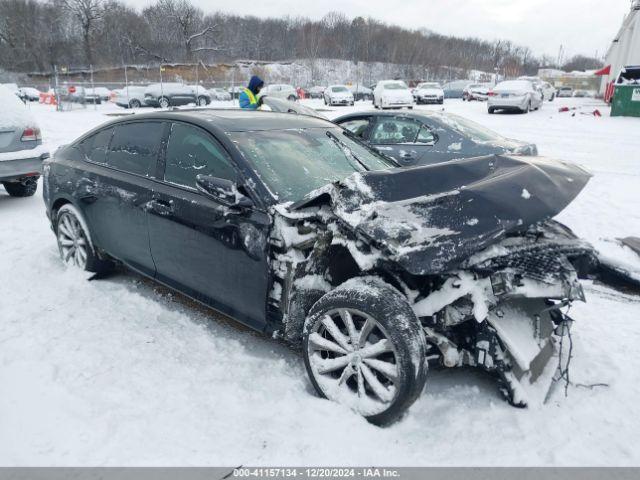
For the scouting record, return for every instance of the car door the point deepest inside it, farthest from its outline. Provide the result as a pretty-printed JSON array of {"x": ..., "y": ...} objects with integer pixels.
[
  {"x": 116, "y": 188},
  {"x": 404, "y": 139},
  {"x": 213, "y": 253}
]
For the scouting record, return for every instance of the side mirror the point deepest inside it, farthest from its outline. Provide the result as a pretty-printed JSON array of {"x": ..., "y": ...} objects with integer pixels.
[{"x": 223, "y": 191}]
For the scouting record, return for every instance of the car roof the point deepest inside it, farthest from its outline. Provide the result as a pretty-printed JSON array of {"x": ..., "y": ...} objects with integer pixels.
[
  {"x": 422, "y": 114},
  {"x": 235, "y": 120}
]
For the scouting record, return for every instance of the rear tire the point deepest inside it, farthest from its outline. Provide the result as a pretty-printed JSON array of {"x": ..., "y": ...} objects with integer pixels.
[
  {"x": 164, "y": 102},
  {"x": 491, "y": 110},
  {"x": 74, "y": 241},
  {"x": 23, "y": 188},
  {"x": 291, "y": 98},
  {"x": 203, "y": 101},
  {"x": 135, "y": 104},
  {"x": 344, "y": 364}
]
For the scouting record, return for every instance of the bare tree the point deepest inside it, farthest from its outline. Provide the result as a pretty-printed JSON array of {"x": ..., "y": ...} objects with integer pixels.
[{"x": 88, "y": 13}]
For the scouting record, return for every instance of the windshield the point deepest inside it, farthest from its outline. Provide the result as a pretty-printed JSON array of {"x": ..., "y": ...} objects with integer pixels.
[
  {"x": 293, "y": 163},
  {"x": 474, "y": 130},
  {"x": 340, "y": 89},
  {"x": 394, "y": 86},
  {"x": 429, "y": 85}
]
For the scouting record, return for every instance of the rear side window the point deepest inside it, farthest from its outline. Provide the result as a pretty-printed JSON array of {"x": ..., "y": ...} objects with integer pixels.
[
  {"x": 191, "y": 152},
  {"x": 393, "y": 130},
  {"x": 95, "y": 147},
  {"x": 135, "y": 146}
]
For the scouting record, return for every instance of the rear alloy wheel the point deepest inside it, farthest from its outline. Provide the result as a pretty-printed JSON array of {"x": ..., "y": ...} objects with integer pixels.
[
  {"x": 202, "y": 101},
  {"x": 164, "y": 102},
  {"x": 24, "y": 188},
  {"x": 364, "y": 348},
  {"x": 135, "y": 104},
  {"x": 74, "y": 241}
]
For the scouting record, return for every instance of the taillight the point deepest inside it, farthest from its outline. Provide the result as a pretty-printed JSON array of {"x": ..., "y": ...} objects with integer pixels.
[
  {"x": 491, "y": 94},
  {"x": 31, "y": 135}
]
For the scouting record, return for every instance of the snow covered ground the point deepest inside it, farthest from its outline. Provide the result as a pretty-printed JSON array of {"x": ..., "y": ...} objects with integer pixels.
[{"x": 123, "y": 372}]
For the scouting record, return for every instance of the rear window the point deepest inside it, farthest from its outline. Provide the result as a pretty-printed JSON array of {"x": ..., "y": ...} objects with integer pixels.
[{"x": 135, "y": 146}]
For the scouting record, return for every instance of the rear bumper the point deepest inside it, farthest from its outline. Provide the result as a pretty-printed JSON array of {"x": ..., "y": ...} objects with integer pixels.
[
  {"x": 519, "y": 103},
  {"x": 24, "y": 163}
]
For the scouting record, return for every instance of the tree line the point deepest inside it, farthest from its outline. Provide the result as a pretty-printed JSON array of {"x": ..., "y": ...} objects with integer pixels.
[{"x": 35, "y": 35}]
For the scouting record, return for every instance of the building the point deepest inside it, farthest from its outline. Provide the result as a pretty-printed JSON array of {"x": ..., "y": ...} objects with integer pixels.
[{"x": 624, "y": 50}]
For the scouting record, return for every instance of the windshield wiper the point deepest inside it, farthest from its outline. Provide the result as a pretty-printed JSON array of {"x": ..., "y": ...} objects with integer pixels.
[{"x": 345, "y": 148}]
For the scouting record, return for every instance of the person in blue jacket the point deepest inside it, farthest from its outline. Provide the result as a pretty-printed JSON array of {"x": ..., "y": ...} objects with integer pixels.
[{"x": 249, "y": 96}]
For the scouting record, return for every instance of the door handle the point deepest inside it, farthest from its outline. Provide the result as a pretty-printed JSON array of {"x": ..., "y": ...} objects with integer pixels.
[{"x": 161, "y": 207}]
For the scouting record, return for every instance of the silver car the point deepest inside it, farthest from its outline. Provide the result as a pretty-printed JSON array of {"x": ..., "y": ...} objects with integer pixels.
[
  {"x": 21, "y": 150},
  {"x": 514, "y": 95}
]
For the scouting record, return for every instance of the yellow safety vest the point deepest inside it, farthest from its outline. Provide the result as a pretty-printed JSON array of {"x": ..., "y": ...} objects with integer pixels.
[{"x": 252, "y": 98}]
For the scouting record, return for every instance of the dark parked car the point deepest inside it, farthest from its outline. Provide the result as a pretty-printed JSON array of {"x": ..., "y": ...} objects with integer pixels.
[
  {"x": 292, "y": 227},
  {"x": 424, "y": 137},
  {"x": 455, "y": 89}
]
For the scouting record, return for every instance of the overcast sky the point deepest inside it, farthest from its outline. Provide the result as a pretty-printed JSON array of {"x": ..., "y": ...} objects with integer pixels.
[{"x": 581, "y": 26}]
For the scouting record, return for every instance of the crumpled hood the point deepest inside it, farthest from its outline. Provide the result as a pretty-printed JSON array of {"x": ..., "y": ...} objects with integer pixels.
[{"x": 429, "y": 219}]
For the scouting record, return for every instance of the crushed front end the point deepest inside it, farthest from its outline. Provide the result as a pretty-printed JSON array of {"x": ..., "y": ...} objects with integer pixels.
[{"x": 506, "y": 310}]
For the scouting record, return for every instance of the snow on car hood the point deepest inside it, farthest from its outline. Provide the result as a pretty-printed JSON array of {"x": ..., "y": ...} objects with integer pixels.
[{"x": 429, "y": 219}]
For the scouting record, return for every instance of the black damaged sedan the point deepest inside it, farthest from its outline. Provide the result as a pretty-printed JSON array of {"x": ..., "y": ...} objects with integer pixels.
[{"x": 293, "y": 227}]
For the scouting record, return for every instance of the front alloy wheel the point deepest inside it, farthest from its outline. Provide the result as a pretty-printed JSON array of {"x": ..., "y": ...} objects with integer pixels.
[
  {"x": 364, "y": 348},
  {"x": 164, "y": 102}
]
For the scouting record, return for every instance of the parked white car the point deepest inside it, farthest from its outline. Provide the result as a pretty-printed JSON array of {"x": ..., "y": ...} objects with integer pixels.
[
  {"x": 392, "y": 94},
  {"x": 130, "y": 97},
  {"x": 29, "y": 93},
  {"x": 518, "y": 95},
  {"x": 21, "y": 150},
  {"x": 338, "y": 95},
  {"x": 428, "y": 92},
  {"x": 548, "y": 91},
  {"x": 280, "y": 91},
  {"x": 220, "y": 94}
]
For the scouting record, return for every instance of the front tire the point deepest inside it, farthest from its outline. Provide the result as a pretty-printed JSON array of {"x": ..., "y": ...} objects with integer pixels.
[
  {"x": 74, "y": 241},
  {"x": 23, "y": 188},
  {"x": 135, "y": 104},
  {"x": 291, "y": 98},
  {"x": 365, "y": 348},
  {"x": 203, "y": 102},
  {"x": 164, "y": 102}
]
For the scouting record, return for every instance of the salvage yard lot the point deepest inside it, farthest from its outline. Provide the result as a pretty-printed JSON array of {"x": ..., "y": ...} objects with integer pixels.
[{"x": 122, "y": 372}]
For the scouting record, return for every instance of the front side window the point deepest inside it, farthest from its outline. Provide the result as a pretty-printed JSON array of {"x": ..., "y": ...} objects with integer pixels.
[
  {"x": 135, "y": 146},
  {"x": 95, "y": 147},
  {"x": 192, "y": 152},
  {"x": 292, "y": 163},
  {"x": 389, "y": 131}
]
